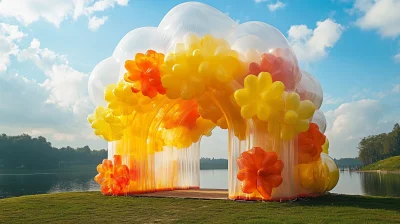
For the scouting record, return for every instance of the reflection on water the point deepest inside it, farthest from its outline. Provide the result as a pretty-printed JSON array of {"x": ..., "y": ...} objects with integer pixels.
[
  {"x": 381, "y": 183},
  {"x": 214, "y": 179},
  {"x": 361, "y": 183},
  {"x": 41, "y": 183}
]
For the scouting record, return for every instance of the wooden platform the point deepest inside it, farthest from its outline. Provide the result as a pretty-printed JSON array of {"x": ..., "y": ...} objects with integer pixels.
[{"x": 197, "y": 194}]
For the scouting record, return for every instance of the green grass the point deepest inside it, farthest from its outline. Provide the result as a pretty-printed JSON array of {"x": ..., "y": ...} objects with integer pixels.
[
  {"x": 390, "y": 164},
  {"x": 92, "y": 207},
  {"x": 65, "y": 169}
]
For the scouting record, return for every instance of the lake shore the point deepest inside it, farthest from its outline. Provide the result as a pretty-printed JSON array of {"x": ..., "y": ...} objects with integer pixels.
[
  {"x": 92, "y": 207},
  {"x": 375, "y": 171},
  {"x": 389, "y": 164},
  {"x": 73, "y": 168},
  {"x": 64, "y": 169}
]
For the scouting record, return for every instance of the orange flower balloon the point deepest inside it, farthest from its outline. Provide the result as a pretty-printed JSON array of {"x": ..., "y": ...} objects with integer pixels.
[
  {"x": 259, "y": 170},
  {"x": 280, "y": 70},
  {"x": 310, "y": 144},
  {"x": 145, "y": 70},
  {"x": 114, "y": 179}
]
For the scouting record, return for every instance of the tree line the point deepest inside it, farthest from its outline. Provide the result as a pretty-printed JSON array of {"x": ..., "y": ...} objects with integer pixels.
[
  {"x": 28, "y": 152},
  {"x": 24, "y": 151},
  {"x": 377, "y": 147},
  {"x": 210, "y": 164}
]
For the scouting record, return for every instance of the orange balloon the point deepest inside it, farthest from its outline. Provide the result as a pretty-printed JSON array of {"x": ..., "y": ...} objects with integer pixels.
[
  {"x": 113, "y": 178},
  {"x": 145, "y": 70},
  {"x": 280, "y": 70},
  {"x": 310, "y": 144},
  {"x": 259, "y": 170}
]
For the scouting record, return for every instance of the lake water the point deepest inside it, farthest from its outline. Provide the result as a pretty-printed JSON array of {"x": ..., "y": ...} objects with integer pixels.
[{"x": 356, "y": 183}]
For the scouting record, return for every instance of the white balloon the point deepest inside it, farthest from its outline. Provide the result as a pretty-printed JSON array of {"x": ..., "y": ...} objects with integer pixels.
[
  {"x": 320, "y": 120},
  {"x": 139, "y": 41},
  {"x": 310, "y": 89},
  {"x": 195, "y": 17},
  {"x": 263, "y": 38},
  {"x": 272, "y": 38},
  {"x": 106, "y": 72},
  {"x": 249, "y": 43}
]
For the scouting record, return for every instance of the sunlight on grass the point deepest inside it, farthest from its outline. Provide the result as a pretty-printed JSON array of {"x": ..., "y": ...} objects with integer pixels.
[{"x": 93, "y": 207}]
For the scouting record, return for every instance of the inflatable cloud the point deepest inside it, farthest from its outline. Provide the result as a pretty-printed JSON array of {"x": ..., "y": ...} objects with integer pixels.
[{"x": 166, "y": 87}]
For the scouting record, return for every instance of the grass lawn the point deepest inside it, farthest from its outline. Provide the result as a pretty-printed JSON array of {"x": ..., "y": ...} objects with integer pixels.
[
  {"x": 92, "y": 207},
  {"x": 390, "y": 164}
]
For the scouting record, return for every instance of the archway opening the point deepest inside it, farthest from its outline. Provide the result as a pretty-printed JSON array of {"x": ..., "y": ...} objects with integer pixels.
[{"x": 214, "y": 160}]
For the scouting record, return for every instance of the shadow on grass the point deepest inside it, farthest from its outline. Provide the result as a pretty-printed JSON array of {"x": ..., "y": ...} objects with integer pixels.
[{"x": 366, "y": 202}]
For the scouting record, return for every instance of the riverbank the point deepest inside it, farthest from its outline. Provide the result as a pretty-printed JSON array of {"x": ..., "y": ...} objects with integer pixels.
[
  {"x": 389, "y": 164},
  {"x": 78, "y": 168},
  {"x": 377, "y": 171},
  {"x": 92, "y": 207},
  {"x": 61, "y": 169}
]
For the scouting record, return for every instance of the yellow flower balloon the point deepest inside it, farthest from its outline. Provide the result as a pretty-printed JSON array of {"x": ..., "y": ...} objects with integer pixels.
[
  {"x": 260, "y": 97},
  {"x": 203, "y": 127},
  {"x": 106, "y": 124},
  {"x": 182, "y": 137},
  {"x": 121, "y": 100},
  {"x": 296, "y": 116}
]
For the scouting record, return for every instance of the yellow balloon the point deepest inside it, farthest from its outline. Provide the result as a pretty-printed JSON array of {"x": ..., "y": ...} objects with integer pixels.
[
  {"x": 325, "y": 146},
  {"x": 106, "y": 124},
  {"x": 313, "y": 176},
  {"x": 333, "y": 171},
  {"x": 121, "y": 100},
  {"x": 198, "y": 63}
]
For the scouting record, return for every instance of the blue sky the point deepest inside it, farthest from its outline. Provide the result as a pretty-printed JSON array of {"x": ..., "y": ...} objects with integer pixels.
[{"x": 48, "y": 49}]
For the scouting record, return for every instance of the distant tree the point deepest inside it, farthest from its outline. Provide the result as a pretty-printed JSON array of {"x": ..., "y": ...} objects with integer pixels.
[
  {"x": 37, "y": 153},
  {"x": 377, "y": 147}
]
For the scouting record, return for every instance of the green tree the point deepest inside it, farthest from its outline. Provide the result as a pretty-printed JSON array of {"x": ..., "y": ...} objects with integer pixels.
[{"x": 23, "y": 151}]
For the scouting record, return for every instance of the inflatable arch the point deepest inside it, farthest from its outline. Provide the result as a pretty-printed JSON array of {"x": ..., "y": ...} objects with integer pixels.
[{"x": 166, "y": 87}]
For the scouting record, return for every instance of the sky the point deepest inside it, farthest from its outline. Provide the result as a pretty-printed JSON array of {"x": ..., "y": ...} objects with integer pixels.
[{"x": 49, "y": 48}]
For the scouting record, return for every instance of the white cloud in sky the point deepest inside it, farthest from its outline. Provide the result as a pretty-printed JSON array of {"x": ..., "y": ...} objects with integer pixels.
[
  {"x": 379, "y": 94},
  {"x": 275, "y": 6},
  {"x": 368, "y": 93},
  {"x": 10, "y": 35},
  {"x": 259, "y": 1},
  {"x": 32, "y": 10},
  {"x": 396, "y": 88},
  {"x": 330, "y": 100},
  {"x": 64, "y": 84},
  {"x": 312, "y": 45},
  {"x": 55, "y": 11},
  {"x": 381, "y": 15},
  {"x": 43, "y": 58},
  {"x": 56, "y": 108},
  {"x": 397, "y": 58},
  {"x": 216, "y": 145},
  {"x": 95, "y": 22},
  {"x": 102, "y": 5},
  {"x": 352, "y": 121}
]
